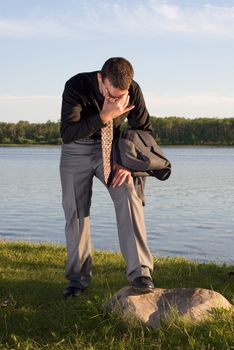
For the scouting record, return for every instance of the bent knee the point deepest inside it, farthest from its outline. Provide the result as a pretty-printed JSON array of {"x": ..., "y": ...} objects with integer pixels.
[{"x": 124, "y": 191}]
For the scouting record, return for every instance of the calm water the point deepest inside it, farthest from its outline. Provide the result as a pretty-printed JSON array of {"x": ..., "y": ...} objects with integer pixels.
[{"x": 189, "y": 215}]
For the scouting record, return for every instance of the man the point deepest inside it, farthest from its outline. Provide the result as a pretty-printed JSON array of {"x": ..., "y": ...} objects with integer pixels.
[{"x": 92, "y": 103}]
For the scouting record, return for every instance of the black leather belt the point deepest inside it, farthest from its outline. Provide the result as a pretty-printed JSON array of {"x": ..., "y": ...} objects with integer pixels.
[{"x": 87, "y": 140}]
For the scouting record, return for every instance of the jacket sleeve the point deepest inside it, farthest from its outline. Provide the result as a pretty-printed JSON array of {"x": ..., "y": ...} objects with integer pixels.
[
  {"x": 139, "y": 117},
  {"x": 75, "y": 122}
]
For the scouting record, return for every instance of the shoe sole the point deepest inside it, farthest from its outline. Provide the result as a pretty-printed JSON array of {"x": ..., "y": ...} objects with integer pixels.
[{"x": 143, "y": 290}]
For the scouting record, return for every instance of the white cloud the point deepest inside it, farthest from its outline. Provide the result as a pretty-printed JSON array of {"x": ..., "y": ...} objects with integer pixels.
[
  {"x": 151, "y": 17},
  {"x": 191, "y": 106},
  {"x": 40, "y": 28},
  {"x": 35, "y": 108}
]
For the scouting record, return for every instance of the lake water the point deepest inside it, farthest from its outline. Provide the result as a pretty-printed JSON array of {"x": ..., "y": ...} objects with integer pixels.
[{"x": 191, "y": 214}]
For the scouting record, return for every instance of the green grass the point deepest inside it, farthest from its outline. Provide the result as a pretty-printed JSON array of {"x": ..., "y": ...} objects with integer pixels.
[{"x": 32, "y": 277}]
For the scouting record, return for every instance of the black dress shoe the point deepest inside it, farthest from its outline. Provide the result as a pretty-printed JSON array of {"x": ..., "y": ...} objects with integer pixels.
[
  {"x": 143, "y": 284},
  {"x": 72, "y": 291}
]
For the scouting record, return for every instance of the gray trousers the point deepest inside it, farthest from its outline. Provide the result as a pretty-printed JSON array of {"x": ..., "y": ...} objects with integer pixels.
[{"x": 79, "y": 163}]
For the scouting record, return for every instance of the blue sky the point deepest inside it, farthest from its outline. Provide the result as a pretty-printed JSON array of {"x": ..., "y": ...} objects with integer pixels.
[{"x": 182, "y": 52}]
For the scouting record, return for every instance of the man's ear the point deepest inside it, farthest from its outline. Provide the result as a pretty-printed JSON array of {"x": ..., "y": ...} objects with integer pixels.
[{"x": 99, "y": 76}]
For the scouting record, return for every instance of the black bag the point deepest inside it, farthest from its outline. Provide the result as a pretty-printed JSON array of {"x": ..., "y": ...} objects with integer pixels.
[{"x": 139, "y": 152}]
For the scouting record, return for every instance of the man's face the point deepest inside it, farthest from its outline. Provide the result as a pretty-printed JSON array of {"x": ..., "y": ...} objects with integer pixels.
[{"x": 108, "y": 90}]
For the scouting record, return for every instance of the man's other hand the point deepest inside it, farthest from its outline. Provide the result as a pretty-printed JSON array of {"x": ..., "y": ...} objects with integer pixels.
[{"x": 121, "y": 174}]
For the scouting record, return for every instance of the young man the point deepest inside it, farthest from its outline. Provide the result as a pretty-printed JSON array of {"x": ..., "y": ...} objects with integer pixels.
[{"x": 92, "y": 103}]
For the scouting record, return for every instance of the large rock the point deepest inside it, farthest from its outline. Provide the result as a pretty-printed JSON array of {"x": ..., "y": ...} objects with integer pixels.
[{"x": 192, "y": 303}]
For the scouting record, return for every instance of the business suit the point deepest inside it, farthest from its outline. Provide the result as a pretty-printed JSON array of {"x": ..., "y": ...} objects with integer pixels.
[{"x": 81, "y": 160}]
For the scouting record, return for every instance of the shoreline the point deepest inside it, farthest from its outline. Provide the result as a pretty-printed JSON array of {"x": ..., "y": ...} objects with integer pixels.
[
  {"x": 48, "y": 244},
  {"x": 161, "y": 145}
]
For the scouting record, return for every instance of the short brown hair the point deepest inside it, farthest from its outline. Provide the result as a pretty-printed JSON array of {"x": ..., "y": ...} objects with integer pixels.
[{"x": 119, "y": 71}]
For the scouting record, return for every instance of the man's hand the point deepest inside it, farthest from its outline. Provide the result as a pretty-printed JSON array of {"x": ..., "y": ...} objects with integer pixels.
[
  {"x": 114, "y": 107},
  {"x": 121, "y": 175}
]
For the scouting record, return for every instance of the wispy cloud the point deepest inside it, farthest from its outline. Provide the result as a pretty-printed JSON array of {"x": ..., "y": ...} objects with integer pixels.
[
  {"x": 35, "y": 108},
  {"x": 38, "y": 28},
  {"x": 191, "y": 105},
  {"x": 152, "y": 17}
]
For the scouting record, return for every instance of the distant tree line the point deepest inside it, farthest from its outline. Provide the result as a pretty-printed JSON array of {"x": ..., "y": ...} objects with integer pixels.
[
  {"x": 200, "y": 131},
  {"x": 24, "y": 132},
  {"x": 167, "y": 131}
]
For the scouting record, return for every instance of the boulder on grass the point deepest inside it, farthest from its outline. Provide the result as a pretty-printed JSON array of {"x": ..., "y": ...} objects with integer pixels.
[{"x": 194, "y": 304}]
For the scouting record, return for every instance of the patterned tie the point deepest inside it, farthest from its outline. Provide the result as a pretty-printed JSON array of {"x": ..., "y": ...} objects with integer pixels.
[{"x": 107, "y": 137}]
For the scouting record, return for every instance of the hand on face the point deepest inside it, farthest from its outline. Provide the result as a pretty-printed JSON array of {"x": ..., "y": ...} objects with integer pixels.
[{"x": 114, "y": 107}]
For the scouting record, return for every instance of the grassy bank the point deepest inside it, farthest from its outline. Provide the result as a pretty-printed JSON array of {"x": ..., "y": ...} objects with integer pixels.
[{"x": 33, "y": 315}]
